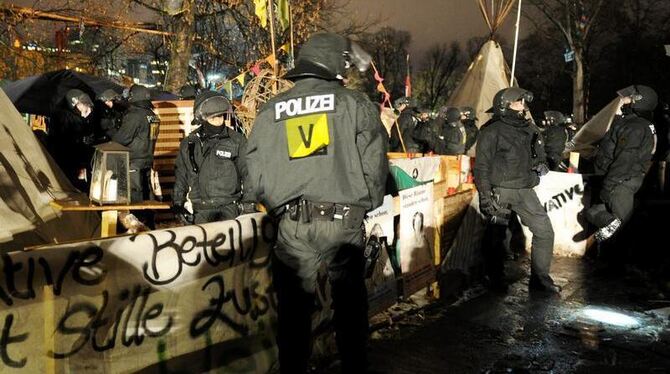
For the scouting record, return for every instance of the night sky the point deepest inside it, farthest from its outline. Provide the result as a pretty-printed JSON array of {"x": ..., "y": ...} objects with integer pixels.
[{"x": 433, "y": 21}]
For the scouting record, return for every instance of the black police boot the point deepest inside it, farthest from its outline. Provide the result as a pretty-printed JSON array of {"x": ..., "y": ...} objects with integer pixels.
[{"x": 547, "y": 287}]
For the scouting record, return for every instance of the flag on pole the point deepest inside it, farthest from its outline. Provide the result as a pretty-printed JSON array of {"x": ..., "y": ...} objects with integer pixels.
[
  {"x": 283, "y": 13},
  {"x": 271, "y": 60},
  {"x": 408, "y": 81},
  {"x": 261, "y": 11}
]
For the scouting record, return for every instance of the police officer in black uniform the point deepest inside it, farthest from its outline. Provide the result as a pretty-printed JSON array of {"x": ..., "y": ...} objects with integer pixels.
[
  {"x": 447, "y": 134},
  {"x": 555, "y": 137},
  {"x": 406, "y": 122},
  {"x": 71, "y": 137},
  {"x": 510, "y": 160},
  {"x": 623, "y": 158},
  {"x": 469, "y": 119},
  {"x": 113, "y": 109},
  {"x": 317, "y": 159},
  {"x": 210, "y": 163},
  {"x": 135, "y": 133}
]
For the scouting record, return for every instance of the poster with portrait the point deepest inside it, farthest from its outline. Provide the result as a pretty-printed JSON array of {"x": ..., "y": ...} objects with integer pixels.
[
  {"x": 417, "y": 234},
  {"x": 382, "y": 284}
]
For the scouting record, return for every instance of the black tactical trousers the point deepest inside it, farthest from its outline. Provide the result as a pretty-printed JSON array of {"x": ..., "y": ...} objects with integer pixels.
[
  {"x": 617, "y": 201},
  {"x": 215, "y": 213},
  {"x": 140, "y": 185},
  {"x": 301, "y": 249},
  {"x": 525, "y": 203}
]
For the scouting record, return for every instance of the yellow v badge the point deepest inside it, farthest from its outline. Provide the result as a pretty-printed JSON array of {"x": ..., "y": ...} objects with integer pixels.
[{"x": 307, "y": 135}]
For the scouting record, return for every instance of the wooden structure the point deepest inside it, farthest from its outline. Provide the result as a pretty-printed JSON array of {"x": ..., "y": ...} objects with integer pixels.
[{"x": 257, "y": 92}]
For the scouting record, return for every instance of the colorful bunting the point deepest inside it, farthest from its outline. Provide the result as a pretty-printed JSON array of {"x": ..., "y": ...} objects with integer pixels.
[
  {"x": 261, "y": 11},
  {"x": 283, "y": 14}
]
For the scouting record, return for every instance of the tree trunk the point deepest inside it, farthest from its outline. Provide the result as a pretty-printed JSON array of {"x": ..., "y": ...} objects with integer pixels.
[
  {"x": 578, "y": 91},
  {"x": 180, "y": 53}
]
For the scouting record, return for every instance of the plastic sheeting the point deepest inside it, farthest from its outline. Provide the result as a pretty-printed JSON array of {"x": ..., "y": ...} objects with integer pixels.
[
  {"x": 29, "y": 181},
  {"x": 594, "y": 130}
]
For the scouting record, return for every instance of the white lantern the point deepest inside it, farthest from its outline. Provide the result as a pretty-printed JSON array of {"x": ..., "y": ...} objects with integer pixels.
[{"x": 110, "y": 181}]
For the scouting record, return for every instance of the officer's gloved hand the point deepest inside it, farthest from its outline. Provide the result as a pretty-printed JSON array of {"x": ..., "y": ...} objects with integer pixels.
[
  {"x": 182, "y": 213},
  {"x": 247, "y": 208},
  {"x": 487, "y": 205},
  {"x": 541, "y": 169},
  {"x": 563, "y": 166}
]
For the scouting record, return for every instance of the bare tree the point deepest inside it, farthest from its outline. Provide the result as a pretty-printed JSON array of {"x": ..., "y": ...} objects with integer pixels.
[
  {"x": 441, "y": 66},
  {"x": 575, "y": 21}
]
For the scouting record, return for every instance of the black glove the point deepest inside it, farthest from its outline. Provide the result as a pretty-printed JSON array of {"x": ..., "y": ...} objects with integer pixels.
[
  {"x": 182, "y": 214},
  {"x": 88, "y": 139},
  {"x": 487, "y": 205},
  {"x": 541, "y": 169},
  {"x": 495, "y": 214}
]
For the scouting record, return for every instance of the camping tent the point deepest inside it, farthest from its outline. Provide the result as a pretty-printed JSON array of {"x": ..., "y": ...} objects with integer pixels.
[
  {"x": 588, "y": 135},
  {"x": 488, "y": 73},
  {"x": 29, "y": 181}
]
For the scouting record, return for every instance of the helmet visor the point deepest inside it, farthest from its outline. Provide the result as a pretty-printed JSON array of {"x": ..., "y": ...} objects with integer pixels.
[{"x": 359, "y": 57}]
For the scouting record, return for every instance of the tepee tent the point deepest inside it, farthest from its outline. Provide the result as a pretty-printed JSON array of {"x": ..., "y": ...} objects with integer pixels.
[
  {"x": 488, "y": 73},
  {"x": 29, "y": 181}
]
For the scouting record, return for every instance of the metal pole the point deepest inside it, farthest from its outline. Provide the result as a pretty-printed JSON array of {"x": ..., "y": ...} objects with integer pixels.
[
  {"x": 275, "y": 71},
  {"x": 516, "y": 44}
]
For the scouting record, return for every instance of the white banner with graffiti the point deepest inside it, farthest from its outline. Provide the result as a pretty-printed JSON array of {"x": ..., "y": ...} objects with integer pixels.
[
  {"x": 417, "y": 235},
  {"x": 562, "y": 195},
  {"x": 186, "y": 299}
]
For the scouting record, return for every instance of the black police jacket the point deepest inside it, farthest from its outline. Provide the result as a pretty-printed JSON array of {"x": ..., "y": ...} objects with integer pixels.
[
  {"x": 134, "y": 133},
  {"x": 471, "y": 133},
  {"x": 555, "y": 138},
  {"x": 626, "y": 150},
  {"x": 212, "y": 167},
  {"x": 445, "y": 138},
  {"x": 319, "y": 141},
  {"x": 508, "y": 149}
]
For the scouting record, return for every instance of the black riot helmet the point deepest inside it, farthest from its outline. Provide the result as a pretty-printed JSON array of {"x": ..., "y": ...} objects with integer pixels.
[
  {"x": 109, "y": 95},
  {"x": 328, "y": 56},
  {"x": 469, "y": 113},
  {"x": 555, "y": 117},
  {"x": 187, "y": 92},
  {"x": 138, "y": 93},
  {"x": 506, "y": 96},
  {"x": 452, "y": 115},
  {"x": 410, "y": 102},
  {"x": 76, "y": 96},
  {"x": 210, "y": 103},
  {"x": 644, "y": 98}
]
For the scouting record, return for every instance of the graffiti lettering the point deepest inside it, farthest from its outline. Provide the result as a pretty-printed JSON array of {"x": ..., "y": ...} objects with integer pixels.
[
  {"x": 253, "y": 304},
  {"x": 134, "y": 327},
  {"x": 6, "y": 339},
  {"x": 77, "y": 264},
  {"x": 170, "y": 257},
  {"x": 557, "y": 201}
]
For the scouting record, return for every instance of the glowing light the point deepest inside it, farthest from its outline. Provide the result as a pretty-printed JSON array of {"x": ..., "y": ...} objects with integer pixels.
[{"x": 610, "y": 317}]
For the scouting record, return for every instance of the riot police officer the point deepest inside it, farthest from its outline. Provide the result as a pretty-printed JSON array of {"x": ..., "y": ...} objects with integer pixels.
[
  {"x": 447, "y": 134},
  {"x": 556, "y": 138},
  {"x": 71, "y": 136},
  {"x": 510, "y": 160},
  {"x": 406, "y": 123},
  {"x": 113, "y": 109},
  {"x": 623, "y": 158},
  {"x": 469, "y": 119},
  {"x": 135, "y": 133},
  {"x": 317, "y": 160},
  {"x": 210, "y": 163}
]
